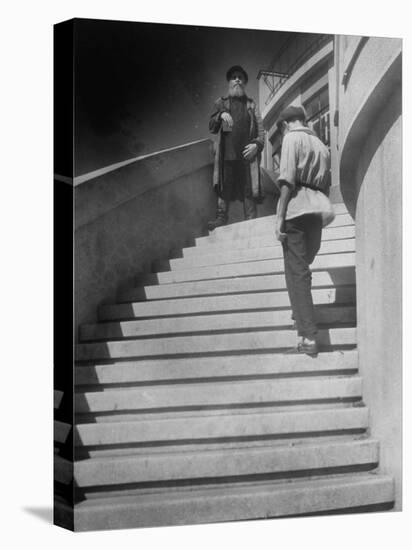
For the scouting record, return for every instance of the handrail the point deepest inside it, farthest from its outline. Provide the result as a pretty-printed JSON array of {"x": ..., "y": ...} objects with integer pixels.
[{"x": 78, "y": 180}]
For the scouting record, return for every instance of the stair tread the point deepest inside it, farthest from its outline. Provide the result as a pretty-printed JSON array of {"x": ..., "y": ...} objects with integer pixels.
[
  {"x": 293, "y": 446},
  {"x": 226, "y": 462},
  {"x": 219, "y": 394},
  {"x": 252, "y": 254},
  {"x": 264, "y": 240},
  {"x": 207, "y": 343},
  {"x": 247, "y": 268},
  {"x": 334, "y": 277},
  {"x": 223, "y": 303},
  {"x": 216, "y": 504},
  {"x": 158, "y": 370},
  {"x": 229, "y": 424},
  {"x": 332, "y": 314},
  {"x": 259, "y": 226}
]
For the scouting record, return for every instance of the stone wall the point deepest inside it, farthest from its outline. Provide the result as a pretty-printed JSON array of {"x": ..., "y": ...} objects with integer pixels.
[
  {"x": 129, "y": 216},
  {"x": 370, "y": 172}
]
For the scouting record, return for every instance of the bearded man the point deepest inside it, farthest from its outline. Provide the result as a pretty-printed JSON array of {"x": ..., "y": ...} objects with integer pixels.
[{"x": 236, "y": 175}]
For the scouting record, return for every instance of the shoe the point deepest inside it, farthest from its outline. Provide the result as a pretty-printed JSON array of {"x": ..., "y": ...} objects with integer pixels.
[
  {"x": 309, "y": 348},
  {"x": 218, "y": 222}
]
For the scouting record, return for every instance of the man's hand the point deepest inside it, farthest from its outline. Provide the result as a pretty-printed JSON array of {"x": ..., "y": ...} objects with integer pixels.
[
  {"x": 279, "y": 231},
  {"x": 250, "y": 151},
  {"x": 226, "y": 117}
]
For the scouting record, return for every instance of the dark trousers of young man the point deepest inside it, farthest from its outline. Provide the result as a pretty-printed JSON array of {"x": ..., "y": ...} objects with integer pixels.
[{"x": 303, "y": 240}]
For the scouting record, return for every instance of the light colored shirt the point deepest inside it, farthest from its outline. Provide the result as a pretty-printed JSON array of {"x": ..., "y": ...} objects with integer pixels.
[{"x": 305, "y": 160}]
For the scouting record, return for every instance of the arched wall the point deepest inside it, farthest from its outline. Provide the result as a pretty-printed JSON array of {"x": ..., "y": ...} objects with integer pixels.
[{"x": 370, "y": 135}]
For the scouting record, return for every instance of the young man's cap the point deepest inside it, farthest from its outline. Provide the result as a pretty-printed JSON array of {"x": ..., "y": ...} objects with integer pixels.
[
  {"x": 291, "y": 113},
  {"x": 239, "y": 69}
]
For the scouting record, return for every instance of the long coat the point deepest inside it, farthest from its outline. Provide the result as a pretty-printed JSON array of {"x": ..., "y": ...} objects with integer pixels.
[{"x": 256, "y": 135}]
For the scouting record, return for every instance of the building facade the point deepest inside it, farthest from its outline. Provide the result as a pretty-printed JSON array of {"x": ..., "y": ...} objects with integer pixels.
[{"x": 302, "y": 73}]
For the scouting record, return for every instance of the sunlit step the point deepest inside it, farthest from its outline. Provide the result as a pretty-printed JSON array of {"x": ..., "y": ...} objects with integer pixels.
[
  {"x": 284, "y": 460},
  {"x": 268, "y": 239},
  {"x": 252, "y": 320},
  {"x": 249, "y": 255},
  {"x": 208, "y": 343},
  {"x": 217, "y": 368},
  {"x": 238, "y": 425},
  {"x": 263, "y": 267},
  {"x": 231, "y": 302},
  {"x": 257, "y": 227},
  {"x": 265, "y": 500},
  {"x": 215, "y": 394},
  {"x": 233, "y": 285}
]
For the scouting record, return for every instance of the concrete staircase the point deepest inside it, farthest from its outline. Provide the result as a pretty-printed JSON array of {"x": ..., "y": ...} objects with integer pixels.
[{"x": 190, "y": 409}]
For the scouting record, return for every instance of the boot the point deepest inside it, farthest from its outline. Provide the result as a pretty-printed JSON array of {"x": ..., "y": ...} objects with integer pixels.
[
  {"x": 221, "y": 215},
  {"x": 250, "y": 208},
  {"x": 217, "y": 222}
]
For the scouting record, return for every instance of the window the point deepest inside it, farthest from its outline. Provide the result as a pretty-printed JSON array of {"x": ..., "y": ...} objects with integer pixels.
[{"x": 318, "y": 115}]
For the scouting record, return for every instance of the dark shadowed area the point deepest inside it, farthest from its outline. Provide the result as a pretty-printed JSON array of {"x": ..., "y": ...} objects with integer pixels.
[{"x": 143, "y": 87}]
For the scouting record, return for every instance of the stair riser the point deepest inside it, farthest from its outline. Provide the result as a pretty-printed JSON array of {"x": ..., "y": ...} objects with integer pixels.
[
  {"x": 210, "y": 464},
  {"x": 219, "y": 343},
  {"x": 225, "y": 394},
  {"x": 208, "y": 507},
  {"x": 267, "y": 222},
  {"x": 156, "y": 370},
  {"x": 209, "y": 304},
  {"x": 331, "y": 316},
  {"x": 236, "y": 426},
  {"x": 265, "y": 253},
  {"x": 255, "y": 228},
  {"x": 335, "y": 277},
  {"x": 190, "y": 412},
  {"x": 327, "y": 261},
  {"x": 334, "y": 234}
]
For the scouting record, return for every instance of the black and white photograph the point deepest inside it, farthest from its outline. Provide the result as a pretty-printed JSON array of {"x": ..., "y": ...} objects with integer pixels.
[
  {"x": 237, "y": 296},
  {"x": 205, "y": 274}
]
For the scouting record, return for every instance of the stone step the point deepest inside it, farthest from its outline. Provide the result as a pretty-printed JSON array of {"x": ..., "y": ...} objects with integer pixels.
[
  {"x": 253, "y": 320},
  {"x": 262, "y": 267},
  {"x": 217, "y": 368},
  {"x": 260, "y": 500},
  {"x": 328, "y": 234},
  {"x": 255, "y": 228},
  {"x": 208, "y": 343},
  {"x": 222, "y": 303},
  {"x": 237, "y": 426},
  {"x": 233, "y": 285},
  {"x": 107, "y": 417},
  {"x": 274, "y": 460},
  {"x": 228, "y": 303},
  {"x": 219, "y": 394},
  {"x": 248, "y": 255},
  {"x": 340, "y": 209}
]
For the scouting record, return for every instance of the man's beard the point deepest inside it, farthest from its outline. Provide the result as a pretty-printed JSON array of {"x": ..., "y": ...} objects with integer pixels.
[{"x": 236, "y": 90}]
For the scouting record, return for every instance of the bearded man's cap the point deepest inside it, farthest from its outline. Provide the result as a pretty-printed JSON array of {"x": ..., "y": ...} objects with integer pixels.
[{"x": 236, "y": 68}]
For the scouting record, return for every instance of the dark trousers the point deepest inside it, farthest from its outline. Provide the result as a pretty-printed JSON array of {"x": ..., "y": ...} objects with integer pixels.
[{"x": 303, "y": 240}]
